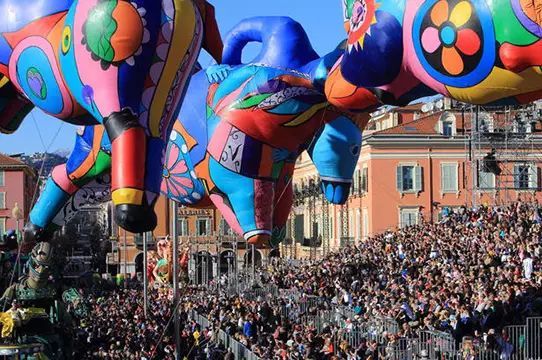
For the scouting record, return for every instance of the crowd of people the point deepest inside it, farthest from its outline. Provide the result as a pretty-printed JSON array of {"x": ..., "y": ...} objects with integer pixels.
[
  {"x": 473, "y": 270},
  {"x": 471, "y": 274}
]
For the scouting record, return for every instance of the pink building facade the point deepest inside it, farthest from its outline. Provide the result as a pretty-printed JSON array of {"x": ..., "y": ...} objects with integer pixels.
[
  {"x": 17, "y": 186},
  {"x": 417, "y": 163}
]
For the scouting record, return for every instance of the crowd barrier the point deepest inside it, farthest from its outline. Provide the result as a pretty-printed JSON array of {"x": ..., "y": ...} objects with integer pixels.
[
  {"x": 240, "y": 351},
  {"x": 516, "y": 342}
]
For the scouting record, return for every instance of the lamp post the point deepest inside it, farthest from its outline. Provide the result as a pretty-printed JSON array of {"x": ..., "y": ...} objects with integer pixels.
[
  {"x": 176, "y": 293},
  {"x": 313, "y": 191},
  {"x": 17, "y": 214},
  {"x": 145, "y": 278},
  {"x": 298, "y": 210},
  {"x": 308, "y": 194},
  {"x": 125, "y": 261}
]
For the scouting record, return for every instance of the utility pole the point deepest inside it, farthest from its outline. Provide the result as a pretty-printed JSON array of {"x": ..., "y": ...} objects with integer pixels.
[
  {"x": 125, "y": 261},
  {"x": 145, "y": 279},
  {"x": 176, "y": 293}
]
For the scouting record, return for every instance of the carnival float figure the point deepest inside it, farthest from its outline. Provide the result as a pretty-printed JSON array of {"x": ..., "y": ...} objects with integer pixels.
[
  {"x": 36, "y": 319},
  {"x": 476, "y": 51},
  {"x": 122, "y": 64},
  {"x": 239, "y": 133}
]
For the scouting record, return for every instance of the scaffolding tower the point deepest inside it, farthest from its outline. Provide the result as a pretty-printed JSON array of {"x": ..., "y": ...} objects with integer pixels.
[{"x": 505, "y": 151}]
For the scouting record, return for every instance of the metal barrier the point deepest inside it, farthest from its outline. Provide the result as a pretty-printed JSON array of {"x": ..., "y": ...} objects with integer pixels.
[
  {"x": 516, "y": 342},
  {"x": 516, "y": 339},
  {"x": 533, "y": 338},
  {"x": 239, "y": 350},
  {"x": 265, "y": 292},
  {"x": 436, "y": 343}
]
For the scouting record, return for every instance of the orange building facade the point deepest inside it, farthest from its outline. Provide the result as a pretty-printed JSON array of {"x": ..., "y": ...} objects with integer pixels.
[
  {"x": 417, "y": 162},
  {"x": 201, "y": 231}
]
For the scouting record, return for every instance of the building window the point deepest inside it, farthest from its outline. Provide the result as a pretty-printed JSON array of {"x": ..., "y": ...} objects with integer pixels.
[
  {"x": 357, "y": 179},
  {"x": 2, "y": 177},
  {"x": 447, "y": 127},
  {"x": 225, "y": 228},
  {"x": 486, "y": 122},
  {"x": 2, "y": 200},
  {"x": 358, "y": 224},
  {"x": 408, "y": 217},
  {"x": 351, "y": 224},
  {"x": 525, "y": 177},
  {"x": 486, "y": 180},
  {"x": 332, "y": 228},
  {"x": 365, "y": 224},
  {"x": 409, "y": 178},
  {"x": 448, "y": 179},
  {"x": 365, "y": 180},
  {"x": 299, "y": 228},
  {"x": 2, "y": 226},
  {"x": 203, "y": 226},
  {"x": 183, "y": 226}
]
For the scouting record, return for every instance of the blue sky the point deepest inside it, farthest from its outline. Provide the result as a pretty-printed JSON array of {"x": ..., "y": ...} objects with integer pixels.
[{"x": 322, "y": 20}]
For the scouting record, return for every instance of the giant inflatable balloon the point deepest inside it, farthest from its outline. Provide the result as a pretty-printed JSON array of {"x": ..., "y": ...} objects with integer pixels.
[
  {"x": 478, "y": 51},
  {"x": 123, "y": 64},
  {"x": 239, "y": 133}
]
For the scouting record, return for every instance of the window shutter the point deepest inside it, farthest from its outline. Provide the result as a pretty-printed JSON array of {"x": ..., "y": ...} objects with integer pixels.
[
  {"x": 444, "y": 183},
  {"x": 365, "y": 179},
  {"x": 357, "y": 179},
  {"x": 404, "y": 219},
  {"x": 455, "y": 177},
  {"x": 487, "y": 180},
  {"x": 533, "y": 177},
  {"x": 516, "y": 176},
  {"x": 2, "y": 200},
  {"x": 400, "y": 178},
  {"x": 418, "y": 178},
  {"x": 449, "y": 177}
]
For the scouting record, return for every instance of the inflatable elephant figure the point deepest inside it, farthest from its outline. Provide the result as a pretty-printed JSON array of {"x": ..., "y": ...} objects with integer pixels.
[
  {"x": 238, "y": 135},
  {"x": 122, "y": 64}
]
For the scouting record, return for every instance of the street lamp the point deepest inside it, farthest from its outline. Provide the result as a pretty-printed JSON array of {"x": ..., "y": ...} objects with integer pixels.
[
  {"x": 298, "y": 210},
  {"x": 17, "y": 214}
]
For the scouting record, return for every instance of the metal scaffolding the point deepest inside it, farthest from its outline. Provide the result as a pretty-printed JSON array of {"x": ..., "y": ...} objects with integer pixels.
[
  {"x": 325, "y": 226},
  {"x": 505, "y": 148}
]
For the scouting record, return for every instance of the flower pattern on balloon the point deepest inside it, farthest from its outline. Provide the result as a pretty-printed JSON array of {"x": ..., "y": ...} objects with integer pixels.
[
  {"x": 450, "y": 33},
  {"x": 176, "y": 177}
]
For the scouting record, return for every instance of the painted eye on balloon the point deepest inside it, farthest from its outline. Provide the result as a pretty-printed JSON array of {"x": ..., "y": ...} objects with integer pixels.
[
  {"x": 355, "y": 149},
  {"x": 66, "y": 39},
  {"x": 359, "y": 12}
]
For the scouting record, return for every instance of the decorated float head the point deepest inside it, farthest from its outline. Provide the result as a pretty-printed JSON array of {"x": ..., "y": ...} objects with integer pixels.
[{"x": 39, "y": 265}]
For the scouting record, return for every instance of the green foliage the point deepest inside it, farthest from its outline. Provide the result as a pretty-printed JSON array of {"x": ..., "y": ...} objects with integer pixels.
[{"x": 99, "y": 29}]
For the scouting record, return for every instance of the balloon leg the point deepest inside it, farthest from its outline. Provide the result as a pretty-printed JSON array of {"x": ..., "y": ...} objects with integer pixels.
[
  {"x": 247, "y": 204},
  {"x": 129, "y": 151}
]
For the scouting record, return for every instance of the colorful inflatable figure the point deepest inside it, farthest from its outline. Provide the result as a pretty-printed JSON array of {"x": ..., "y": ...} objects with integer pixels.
[
  {"x": 123, "y": 64},
  {"x": 241, "y": 129},
  {"x": 474, "y": 51}
]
